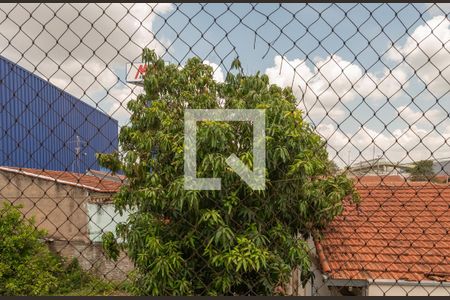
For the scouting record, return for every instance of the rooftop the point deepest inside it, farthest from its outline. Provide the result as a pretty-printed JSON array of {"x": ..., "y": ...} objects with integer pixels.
[
  {"x": 108, "y": 175},
  {"x": 397, "y": 232},
  {"x": 89, "y": 182}
]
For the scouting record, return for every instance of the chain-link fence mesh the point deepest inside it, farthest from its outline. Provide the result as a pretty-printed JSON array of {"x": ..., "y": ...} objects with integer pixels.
[{"x": 372, "y": 79}]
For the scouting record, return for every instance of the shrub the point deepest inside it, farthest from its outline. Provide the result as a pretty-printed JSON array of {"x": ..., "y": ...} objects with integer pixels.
[
  {"x": 75, "y": 281},
  {"x": 27, "y": 267},
  {"x": 422, "y": 171}
]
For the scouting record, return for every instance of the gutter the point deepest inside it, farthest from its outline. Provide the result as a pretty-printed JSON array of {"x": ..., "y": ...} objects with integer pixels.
[
  {"x": 367, "y": 282},
  {"x": 346, "y": 282},
  {"x": 429, "y": 283}
]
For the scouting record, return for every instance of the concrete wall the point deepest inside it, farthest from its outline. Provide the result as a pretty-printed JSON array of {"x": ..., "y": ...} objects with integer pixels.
[
  {"x": 59, "y": 209},
  {"x": 103, "y": 218},
  {"x": 92, "y": 259},
  {"x": 64, "y": 211}
]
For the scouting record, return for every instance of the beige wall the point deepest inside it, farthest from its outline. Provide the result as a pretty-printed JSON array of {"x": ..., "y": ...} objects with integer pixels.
[
  {"x": 59, "y": 209},
  {"x": 92, "y": 259}
]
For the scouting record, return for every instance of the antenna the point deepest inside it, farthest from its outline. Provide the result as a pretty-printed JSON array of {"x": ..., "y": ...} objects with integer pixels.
[
  {"x": 373, "y": 154},
  {"x": 77, "y": 161}
]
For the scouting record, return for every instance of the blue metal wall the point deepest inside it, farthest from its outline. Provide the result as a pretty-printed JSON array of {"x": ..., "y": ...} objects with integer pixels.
[{"x": 39, "y": 124}]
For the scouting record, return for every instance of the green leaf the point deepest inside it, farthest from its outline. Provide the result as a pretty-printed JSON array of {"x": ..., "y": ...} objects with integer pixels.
[{"x": 220, "y": 242}]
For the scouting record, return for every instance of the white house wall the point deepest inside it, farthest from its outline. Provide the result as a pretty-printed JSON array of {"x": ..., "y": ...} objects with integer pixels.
[
  {"x": 103, "y": 218},
  {"x": 399, "y": 289}
]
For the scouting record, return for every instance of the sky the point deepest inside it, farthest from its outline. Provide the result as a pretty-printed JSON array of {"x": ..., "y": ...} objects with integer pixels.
[{"x": 373, "y": 79}]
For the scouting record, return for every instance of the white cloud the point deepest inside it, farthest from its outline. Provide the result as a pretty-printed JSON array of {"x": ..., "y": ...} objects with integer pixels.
[
  {"x": 333, "y": 82},
  {"x": 294, "y": 73},
  {"x": 433, "y": 116},
  {"x": 79, "y": 46},
  {"x": 403, "y": 145},
  {"x": 119, "y": 98},
  {"x": 336, "y": 138},
  {"x": 58, "y": 42},
  {"x": 218, "y": 74},
  {"x": 438, "y": 8},
  {"x": 427, "y": 50}
]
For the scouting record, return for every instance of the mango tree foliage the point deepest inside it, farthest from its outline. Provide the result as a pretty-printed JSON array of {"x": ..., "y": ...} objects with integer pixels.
[
  {"x": 235, "y": 241},
  {"x": 422, "y": 171}
]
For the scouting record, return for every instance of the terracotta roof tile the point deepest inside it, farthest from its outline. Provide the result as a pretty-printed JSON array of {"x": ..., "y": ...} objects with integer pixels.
[
  {"x": 377, "y": 180},
  {"x": 70, "y": 178},
  {"x": 398, "y": 232}
]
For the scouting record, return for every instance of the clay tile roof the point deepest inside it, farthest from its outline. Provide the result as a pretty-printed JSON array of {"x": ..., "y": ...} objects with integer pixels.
[
  {"x": 397, "y": 232},
  {"x": 377, "y": 180},
  {"x": 107, "y": 176},
  {"x": 89, "y": 182}
]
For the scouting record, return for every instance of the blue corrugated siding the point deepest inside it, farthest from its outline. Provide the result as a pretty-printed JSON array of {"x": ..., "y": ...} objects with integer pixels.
[{"x": 39, "y": 124}]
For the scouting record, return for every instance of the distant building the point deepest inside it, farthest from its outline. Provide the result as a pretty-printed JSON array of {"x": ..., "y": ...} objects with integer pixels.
[
  {"x": 378, "y": 166},
  {"x": 395, "y": 242},
  {"x": 44, "y": 127},
  {"x": 74, "y": 209},
  {"x": 442, "y": 167}
]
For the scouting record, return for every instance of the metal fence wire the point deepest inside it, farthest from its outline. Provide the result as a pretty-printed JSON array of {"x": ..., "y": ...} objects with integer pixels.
[{"x": 371, "y": 79}]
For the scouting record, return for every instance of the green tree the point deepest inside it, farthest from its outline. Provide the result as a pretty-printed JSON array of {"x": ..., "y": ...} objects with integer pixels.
[
  {"x": 236, "y": 241},
  {"x": 333, "y": 168},
  {"x": 422, "y": 171},
  {"x": 28, "y": 268},
  {"x": 26, "y": 265}
]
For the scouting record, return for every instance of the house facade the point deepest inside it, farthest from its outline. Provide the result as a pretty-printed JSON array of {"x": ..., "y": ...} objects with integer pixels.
[
  {"x": 395, "y": 242},
  {"x": 74, "y": 209}
]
